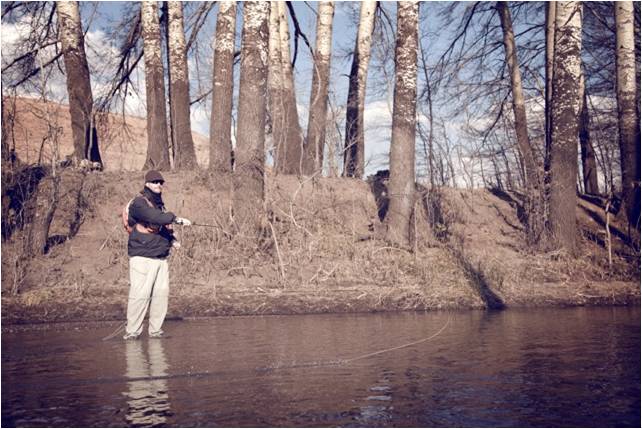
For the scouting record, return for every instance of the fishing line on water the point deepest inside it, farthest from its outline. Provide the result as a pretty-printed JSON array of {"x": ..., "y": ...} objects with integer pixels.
[
  {"x": 312, "y": 364},
  {"x": 363, "y": 356}
]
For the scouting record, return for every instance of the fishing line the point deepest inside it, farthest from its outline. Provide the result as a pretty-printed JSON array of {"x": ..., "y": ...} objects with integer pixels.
[
  {"x": 338, "y": 362},
  {"x": 116, "y": 332}
]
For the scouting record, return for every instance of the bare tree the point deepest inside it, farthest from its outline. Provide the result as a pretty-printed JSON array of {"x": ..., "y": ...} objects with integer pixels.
[
  {"x": 157, "y": 142},
  {"x": 249, "y": 184},
  {"x": 78, "y": 83},
  {"x": 292, "y": 129},
  {"x": 275, "y": 90},
  {"x": 564, "y": 124},
  {"x": 534, "y": 216},
  {"x": 354, "y": 154},
  {"x": 184, "y": 155},
  {"x": 628, "y": 113},
  {"x": 589, "y": 165},
  {"x": 222, "y": 88},
  {"x": 404, "y": 119},
  {"x": 317, "y": 118}
]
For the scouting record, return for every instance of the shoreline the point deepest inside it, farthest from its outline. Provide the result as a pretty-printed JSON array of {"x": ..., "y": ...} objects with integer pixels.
[{"x": 18, "y": 311}]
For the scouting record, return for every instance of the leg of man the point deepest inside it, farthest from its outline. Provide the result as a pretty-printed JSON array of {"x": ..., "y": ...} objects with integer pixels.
[
  {"x": 142, "y": 276},
  {"x": 160, "y": 296}
]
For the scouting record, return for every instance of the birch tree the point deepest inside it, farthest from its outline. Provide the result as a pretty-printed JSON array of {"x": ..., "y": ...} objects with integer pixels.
[
  {"x": 275, "y": 90},
  {"x": 181, "y": 128},
  {"x": 157, "y": 143},
  {"x": 317, "y": 118},
  {"x": 628, "y": 113},
  {"x": 589, "y": 165},
  {"x": 354, "y": 151},
  {"x": 222, "y": 88},
  {"x": 564, "y": 124},
  {"x": 81, "y": 101},
  {"x": 533, "y": 212},
  {"x": 249, "y": 185},
  {"x": 401, "y": 186},
  {"x": 292, "y": 128}
]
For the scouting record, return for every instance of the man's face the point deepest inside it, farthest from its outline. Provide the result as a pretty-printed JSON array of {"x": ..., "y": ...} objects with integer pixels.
[{"x": 156, "y": 186}]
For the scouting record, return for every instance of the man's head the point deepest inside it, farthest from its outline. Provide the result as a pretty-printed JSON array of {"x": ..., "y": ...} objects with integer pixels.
[{"x": 154, "y": 181}]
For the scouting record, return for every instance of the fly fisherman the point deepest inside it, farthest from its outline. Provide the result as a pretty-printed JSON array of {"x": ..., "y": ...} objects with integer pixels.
[{"x": 150, "y": 241}]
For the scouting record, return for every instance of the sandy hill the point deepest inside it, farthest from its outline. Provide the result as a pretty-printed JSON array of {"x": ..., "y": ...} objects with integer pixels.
[{"x": 122, "y": 139}]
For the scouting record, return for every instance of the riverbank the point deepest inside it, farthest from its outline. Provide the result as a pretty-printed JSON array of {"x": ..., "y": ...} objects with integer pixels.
[{"x": 324, "y": 253}]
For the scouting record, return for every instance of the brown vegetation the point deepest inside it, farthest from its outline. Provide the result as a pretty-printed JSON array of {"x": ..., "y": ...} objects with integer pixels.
[{"x": 321, "y": 252}]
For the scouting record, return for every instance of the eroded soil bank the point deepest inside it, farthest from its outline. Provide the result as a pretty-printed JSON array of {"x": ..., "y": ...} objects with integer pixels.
[{"x": 326, "y": 253}]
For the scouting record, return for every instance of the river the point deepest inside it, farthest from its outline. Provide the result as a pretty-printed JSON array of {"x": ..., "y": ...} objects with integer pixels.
[{"x": 535, "y": 367}]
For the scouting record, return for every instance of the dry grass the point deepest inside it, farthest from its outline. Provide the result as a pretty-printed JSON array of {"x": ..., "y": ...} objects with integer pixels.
[{"x": 320, "y": 250}]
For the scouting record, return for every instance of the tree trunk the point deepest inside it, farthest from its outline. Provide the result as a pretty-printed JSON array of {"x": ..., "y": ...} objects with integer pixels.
[
  {"x": 249, "y": 185},
  {"x": 589, "y": 165},
  {"x": 275, "y": 91},
  {"x": 534, "y": 222},
  {"x": 292, "y": 130},
  {"x": 628, "y": 119},
  {"x": 549, "y": 58},
  {"x": 354, "y": 152},
  {"x": 157, "y": 149},
  {"x": 401, "y": 187},
  {"x": 317, "y": 118},
  {"x": 184, "y": 155},
  {"x": 81, "y": 101},
  {"x": 223, "y": 88},
  {"x": 564, "y": 124}
]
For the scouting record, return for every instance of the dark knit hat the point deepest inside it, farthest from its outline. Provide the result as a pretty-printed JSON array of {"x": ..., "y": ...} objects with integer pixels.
[{"x": 152, "y": 176}]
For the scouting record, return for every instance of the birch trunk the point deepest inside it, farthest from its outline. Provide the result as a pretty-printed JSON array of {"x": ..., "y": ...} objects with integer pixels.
[
  {"x": 78, "y": 83},
  {"x": 354, "y": 156},
  {"x": 317, "y": 118},
  {"x": 184, "y": 155},
  {"x": 157, "y": 149},
  {"x": 223, "y": 88},
  {"x": 293, "y": 136},
  {"x": 249, "y": 184},
  {"x": 589, "y": 165},
  {"x": 275, "y": 90},
  {"x": 534, "y": 221},
  {"x": 628, "y": 119},
  {"x": 564, "y": 124},
  {"x": 401, "y": 186}
]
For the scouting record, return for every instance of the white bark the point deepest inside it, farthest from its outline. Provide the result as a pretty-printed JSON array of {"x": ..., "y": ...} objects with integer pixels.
[
  {"x": 317, "y": 118},
  {"x": 402, "y": 148},
  {"x": 564, "y": 123},
  {"x": 354, "y": 154},
  {"x": 628, "y": 119}
]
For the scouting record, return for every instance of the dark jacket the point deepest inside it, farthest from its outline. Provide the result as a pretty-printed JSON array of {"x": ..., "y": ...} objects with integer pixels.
[{"x": 149, "y": 245}]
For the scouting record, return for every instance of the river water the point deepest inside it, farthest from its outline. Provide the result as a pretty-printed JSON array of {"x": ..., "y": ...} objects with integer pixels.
[{"x": 551, "y": 367}]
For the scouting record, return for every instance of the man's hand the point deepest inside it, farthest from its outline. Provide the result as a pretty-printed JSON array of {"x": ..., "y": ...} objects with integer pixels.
[
  {"x": 182, "y": 221},
  {"x": 176, "y": 244}
]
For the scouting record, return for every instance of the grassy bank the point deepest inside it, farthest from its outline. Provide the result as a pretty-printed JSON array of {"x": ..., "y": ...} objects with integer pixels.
[{"x": 323, "y": 253}]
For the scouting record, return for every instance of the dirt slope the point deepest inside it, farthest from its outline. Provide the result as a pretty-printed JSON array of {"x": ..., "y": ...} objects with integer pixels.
[
  {"x": 324, "y": 254},
  {"x": 122, "y": 139}
]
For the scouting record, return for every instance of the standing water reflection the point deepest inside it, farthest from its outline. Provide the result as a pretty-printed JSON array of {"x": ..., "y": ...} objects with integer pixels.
[
  {"x": 147, "y": 394},
  {"x": 551, "y": 367}
]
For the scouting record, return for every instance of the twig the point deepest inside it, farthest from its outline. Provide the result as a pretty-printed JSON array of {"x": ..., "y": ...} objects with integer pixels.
[{"x": 278, "y": 252}]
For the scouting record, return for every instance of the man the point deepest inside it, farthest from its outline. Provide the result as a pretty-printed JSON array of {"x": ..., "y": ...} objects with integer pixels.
[{"x": 150, "y": 241}]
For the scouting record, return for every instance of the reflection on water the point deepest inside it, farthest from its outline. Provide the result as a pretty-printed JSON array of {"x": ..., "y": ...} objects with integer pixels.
[
  {"x": 537, "y": 368},
  {"x": 147, "y": 394}
]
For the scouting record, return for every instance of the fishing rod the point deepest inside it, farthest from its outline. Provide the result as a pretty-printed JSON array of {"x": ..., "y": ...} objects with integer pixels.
[{"x": 206, "y": 225}]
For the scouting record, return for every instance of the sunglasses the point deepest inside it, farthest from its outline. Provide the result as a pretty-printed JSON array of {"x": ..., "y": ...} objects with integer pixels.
[{"x": 158, "y": 182}]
